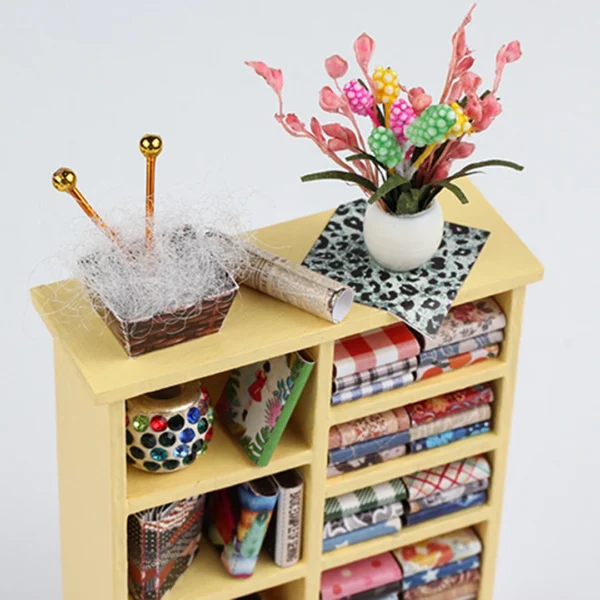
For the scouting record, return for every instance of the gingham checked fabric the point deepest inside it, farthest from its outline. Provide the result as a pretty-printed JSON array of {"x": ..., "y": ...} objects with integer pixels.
[
  {"x": 370, "y": 389},
  {"x": 440, "y": 479},
  {"x": 376, "y": 374},
  {"x": 374, "y": 349}
]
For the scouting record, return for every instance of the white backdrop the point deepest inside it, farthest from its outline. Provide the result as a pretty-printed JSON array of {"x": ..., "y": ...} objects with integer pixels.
[{"x": 82, "y": 81}]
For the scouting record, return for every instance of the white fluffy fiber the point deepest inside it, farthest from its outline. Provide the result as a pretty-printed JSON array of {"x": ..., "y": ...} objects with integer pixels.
[{"x": 185, "y": 265}]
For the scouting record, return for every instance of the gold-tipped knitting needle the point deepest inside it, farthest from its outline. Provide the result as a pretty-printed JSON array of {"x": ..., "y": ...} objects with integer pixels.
[
  {"x": 65, "y": 180},
  {"x": 150, "y": 147}
]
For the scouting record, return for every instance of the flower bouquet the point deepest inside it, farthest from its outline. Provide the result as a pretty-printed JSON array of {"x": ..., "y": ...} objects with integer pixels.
[{"x": 406, "y": 159}]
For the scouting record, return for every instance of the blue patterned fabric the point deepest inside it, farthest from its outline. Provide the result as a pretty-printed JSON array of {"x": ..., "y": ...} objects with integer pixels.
[
  {"x": 447, "y": 437},
  {"x": 430, "y": 357},
  {"x": 363, "y": 534},
  {"x": 370, "y": 389},
  {"x": 368, "y": 447},
  {"x": 459, "y": 566},
  {"x": 445, "y": 509}
]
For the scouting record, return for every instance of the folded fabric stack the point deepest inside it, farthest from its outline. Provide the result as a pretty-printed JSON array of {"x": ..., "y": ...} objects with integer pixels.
[
  {"x": 445, "y": 567},
  {"x": 384, "y": 508},
  {"x": 423, "y": 425}
]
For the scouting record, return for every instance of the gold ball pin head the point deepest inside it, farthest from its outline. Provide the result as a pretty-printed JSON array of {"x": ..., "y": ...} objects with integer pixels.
[
  {"x": 64, "y": 180},
  {"x": 151, "y": 145}
]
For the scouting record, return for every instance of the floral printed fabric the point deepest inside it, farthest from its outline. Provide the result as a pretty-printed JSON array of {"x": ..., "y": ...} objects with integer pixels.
[
  {"x": 448, "y": 404},
  {"x": 465, "y": 591},
  {"x": 368, "y": 447},
  {"x": 365, "y": 461},
  {"x": 447, "y": 508},
  {"x": 440, "y": 479},
  {"x": 367, "y": 428},
  {"x": 370, "y": 389},
  {"x": 376, "y": 374},
  {"x": 462, "y": 419},
  {"x": 362, "y": 535},
  {"x": 436, "y": 587},
  {"x": 438, "y": 551},
  {"x": 360, "y": 576},
  {"x": 373, "y": 349},
  {"x": 467, "y": 321},
  {"x": 448, "y": 437},
  {"x": 365, "y": 499},
  {"x": 363, "y": 519},
  {"x": 457, "y": 362},
  {"x": 437, "y": 573},
  {"x": 430, "y": 357},
  {"x": 448, "y": 496}
]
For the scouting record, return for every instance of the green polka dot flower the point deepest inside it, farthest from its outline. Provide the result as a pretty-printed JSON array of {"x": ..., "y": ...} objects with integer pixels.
[
  {"x": 432, "y": 126},
  {"x": 385, "y": 147}
]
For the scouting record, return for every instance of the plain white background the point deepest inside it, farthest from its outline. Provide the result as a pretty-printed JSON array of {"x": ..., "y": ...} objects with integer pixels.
[{"x": 82, "y": 81}]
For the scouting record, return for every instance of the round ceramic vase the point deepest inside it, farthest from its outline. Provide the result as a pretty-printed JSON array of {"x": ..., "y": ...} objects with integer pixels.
[
  {"x": 403, "y": 242},
  {"x": 168, "y": 429}
]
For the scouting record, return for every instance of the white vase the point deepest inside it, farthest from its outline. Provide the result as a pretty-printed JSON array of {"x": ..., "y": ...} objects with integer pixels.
[{"x": 403, "y": 242}]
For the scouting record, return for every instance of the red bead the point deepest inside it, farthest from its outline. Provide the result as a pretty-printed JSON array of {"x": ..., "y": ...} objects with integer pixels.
[
  {"x": 209, "y": 435},
  {"x": 158, "y": 423}
]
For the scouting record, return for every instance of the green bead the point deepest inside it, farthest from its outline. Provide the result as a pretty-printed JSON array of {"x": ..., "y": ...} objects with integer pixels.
[
  {"x": 140, "y": 423},
  {"x": 432, "y": 126},
  {"x": 385, "y": 147}
]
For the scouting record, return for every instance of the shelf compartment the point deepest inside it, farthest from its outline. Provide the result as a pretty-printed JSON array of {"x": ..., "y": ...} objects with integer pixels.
[
  {"x": 406, "y": 465},
  {"x": 408, "y": 535},
  {"x": 207, "y": 579},
  {"x": 485, "y": 371},
  {"x": 224, "y": 464}
]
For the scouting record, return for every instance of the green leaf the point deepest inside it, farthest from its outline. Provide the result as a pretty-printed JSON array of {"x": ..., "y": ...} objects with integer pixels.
[
  {"x": 455, "y": 190},
  {"x": 495, "y": 162},
  {"x": 344, "y": 176},
  {"x": 365, "y": 156},
  {"x": 392, "y": 183},
  {"x": 408, "y": 202}
]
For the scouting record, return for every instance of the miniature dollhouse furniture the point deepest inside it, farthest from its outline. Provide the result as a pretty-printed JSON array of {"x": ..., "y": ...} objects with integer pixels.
[{"x": 94, "y": 378}]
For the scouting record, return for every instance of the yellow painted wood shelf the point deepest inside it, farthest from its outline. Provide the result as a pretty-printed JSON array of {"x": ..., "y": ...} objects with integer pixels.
[{"x": 94, "y": 378}]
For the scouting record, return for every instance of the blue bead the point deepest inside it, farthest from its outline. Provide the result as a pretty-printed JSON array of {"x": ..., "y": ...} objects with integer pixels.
[
  {"x": 158, "y": 454},
  {"x": 187, "y": 435},
  {"x": 181, "y": 451},
  {"x": 193, "y": 415}
]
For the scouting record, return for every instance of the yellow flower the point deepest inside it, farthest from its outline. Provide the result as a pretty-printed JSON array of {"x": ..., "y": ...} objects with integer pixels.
[
  {"x": 462, "y": 125},
  {"x": 386, "y": 85}
]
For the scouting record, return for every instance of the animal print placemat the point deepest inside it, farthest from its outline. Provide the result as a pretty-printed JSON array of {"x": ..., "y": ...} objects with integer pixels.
[{"x": 421, "y": 297}]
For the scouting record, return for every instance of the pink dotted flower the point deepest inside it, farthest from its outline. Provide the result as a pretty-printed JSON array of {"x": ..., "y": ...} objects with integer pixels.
[
  {"x": 359, "y": 98},
  {"x": 402, "y": 115}
]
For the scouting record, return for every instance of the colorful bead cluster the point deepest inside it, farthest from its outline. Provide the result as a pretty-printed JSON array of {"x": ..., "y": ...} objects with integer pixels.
[
  {"x": 432, "y": 126},
  {"x": 401, "y": 116},
  {"x": 387, "y": 88},
  {"x": 462, "y": 125},
  {"x": 166, "y": 443},
  {"x": 385, "y": 147},
  {"x": 359, "y": 98}
]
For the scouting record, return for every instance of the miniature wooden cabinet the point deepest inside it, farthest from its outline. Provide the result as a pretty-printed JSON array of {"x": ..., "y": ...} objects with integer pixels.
[{"x": 94, "y": 378}]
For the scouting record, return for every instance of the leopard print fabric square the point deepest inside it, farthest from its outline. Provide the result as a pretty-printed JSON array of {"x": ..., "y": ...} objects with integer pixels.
[{"x": 421, "y": 297}]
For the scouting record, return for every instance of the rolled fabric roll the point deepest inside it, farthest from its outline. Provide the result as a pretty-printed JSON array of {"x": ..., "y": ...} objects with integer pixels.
[
  {"x": 362, "y": 535},
  {"x": 462, "y": 419},
  {"x": 449, "y": 437},
  {"x": 457, "y": 362},
  {"x": 366, "y": 461},
  {"x": 368, "y": 447},
  {"x": 430, "y": 357},
  {"x": 375, "y": 374},
  {"x": 370, "y": 389},
  {"x": 459, "y": 566},
  {"x": 447, "y": 508},
  {"x": 453, "y": 493},
  {"x": 430, "y": 590},
  {"x": 363, "y": 519}
]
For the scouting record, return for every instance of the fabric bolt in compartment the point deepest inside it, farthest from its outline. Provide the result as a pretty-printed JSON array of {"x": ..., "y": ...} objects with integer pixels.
[
  {"x": 363, "y": 519},
  {"x": 365, "y": 499},
  {"x": 461, "y": 472},
  {"x": 462, "y": 419},
  {"x": 449, "y": 437},
  {"x": 373, "y": 349},
  {"x": 369, "y": 427},
  {"x": 430, "y": 590},
  {"x": 360, "y": 576},
  {"x": 457, "y": 362},
  {"x": 446, "y": 509},
  {"x": 430, "y": 357},
  {"x": 370, "y": 389},
  {"x": 449, "y": 495},
  {"x": 362, "y": 535},
  {"x": 465, "y": 591},
  {"x": 366, "y": 461},
  {"x": 375, "y": 374},
  {"x": 368, "y": 447},
  {"x": 436, "y": 573},
  {"x": 382, "y": 592}
]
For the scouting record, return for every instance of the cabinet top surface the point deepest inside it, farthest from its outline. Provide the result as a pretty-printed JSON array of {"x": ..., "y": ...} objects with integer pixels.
[{"x": 258, "y": 326}]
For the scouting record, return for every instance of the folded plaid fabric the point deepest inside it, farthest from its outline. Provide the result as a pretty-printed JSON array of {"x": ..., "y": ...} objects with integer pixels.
[
  {"x": 429, "y": 590},
  {"x": 365, "y": 461},
  {"x": 434, "y": 574},
  {"x": 461, "y": 419},
  {"x": 376, "y": 374},
  {"x": 467, "y": 321},
  {"x": 365, "y": 499},
  {"x": 448, "y": 404},
  {"x": 370, "y": 389},
  {"x": 448, "y": 437},
  {"x": 373, "y": 349},
  {"x": 362, "y": 535},
  {"x": 440, "y": 479},
  {"x": 446, "y": 509},
  {"x": 161, "y": 544},
  {"x": 430, "y": 357},
  {"x": 368, "y": 447},
  {"x": 457, "y": 362},
  {"x": 362, "y": 519},
  {"x": 369, "y": 427},
  {"x": 453, "y": 493}
]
